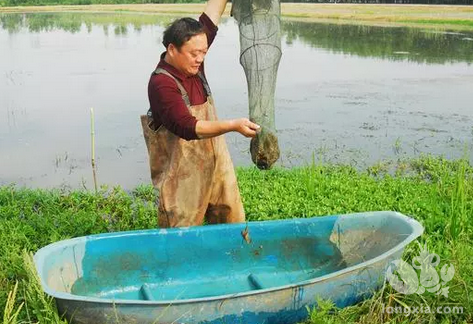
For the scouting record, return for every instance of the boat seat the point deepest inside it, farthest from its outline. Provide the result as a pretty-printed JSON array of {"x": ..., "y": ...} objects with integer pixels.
[
  {"x": 146, "y": 292},
  {"x": 255, "y": 282}
]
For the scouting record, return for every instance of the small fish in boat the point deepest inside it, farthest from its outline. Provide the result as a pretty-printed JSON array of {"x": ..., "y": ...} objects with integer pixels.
[{"x": 246, "y": 234}]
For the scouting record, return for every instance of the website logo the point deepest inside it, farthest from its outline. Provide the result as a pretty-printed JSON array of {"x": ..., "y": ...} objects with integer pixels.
[{"x": 404, "y": 278}]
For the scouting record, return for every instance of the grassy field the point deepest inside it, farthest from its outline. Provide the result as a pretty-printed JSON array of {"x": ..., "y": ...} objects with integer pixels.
[
  {"x": 437, "y": 192},
  {"x": 425, "y": 16}
]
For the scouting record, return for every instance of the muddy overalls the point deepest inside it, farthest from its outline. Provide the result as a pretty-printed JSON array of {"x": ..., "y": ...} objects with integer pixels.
[{"x": 195, "y": 179}]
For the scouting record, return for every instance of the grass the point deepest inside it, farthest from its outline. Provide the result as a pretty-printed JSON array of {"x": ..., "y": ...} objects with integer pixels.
[
  {"x": 460, "y": 22},
  {"x": 437, "y": 192},
  {"x": 423, "y": 16}
]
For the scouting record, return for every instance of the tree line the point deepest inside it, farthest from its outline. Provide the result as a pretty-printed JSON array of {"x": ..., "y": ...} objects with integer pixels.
[
  {"x": 86, "y": 2},
  {"x": 432, "y": 2}
]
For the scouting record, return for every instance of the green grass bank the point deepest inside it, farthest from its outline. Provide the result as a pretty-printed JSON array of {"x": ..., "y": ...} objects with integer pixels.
[
  {"x": 437, "y": 192},
  {"x": 444, "y": 17}
]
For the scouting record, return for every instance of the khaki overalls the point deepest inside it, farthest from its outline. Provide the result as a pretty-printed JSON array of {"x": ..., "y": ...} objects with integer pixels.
[{"x": 195, "y": 179}]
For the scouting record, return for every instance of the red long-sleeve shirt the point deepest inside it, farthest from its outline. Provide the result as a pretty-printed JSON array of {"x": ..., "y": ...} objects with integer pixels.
[{"x": 167, "y": 105}]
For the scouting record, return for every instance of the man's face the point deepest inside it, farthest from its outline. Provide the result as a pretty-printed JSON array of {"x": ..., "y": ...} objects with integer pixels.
[{"x": 190, "y": 56}]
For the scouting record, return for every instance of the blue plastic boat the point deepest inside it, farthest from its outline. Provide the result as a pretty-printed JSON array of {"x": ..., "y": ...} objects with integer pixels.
[{"x": 221, "y": 274}]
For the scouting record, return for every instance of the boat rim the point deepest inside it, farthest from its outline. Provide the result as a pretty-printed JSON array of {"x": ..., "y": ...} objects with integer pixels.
[{"x": 417, "y": 230}]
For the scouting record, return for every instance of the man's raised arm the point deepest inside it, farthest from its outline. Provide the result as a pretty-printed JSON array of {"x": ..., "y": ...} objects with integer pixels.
[{"x": 214, "y": 10}]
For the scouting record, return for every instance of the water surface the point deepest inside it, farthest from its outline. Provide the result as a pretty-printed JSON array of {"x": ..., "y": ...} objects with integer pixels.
[{"x": 346, "y": 94}]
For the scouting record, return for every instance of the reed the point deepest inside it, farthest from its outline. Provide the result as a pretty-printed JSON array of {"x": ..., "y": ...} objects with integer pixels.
[
  {"x": 11, "y": 312},
  {"x": 458, "y": 211},
  {"x": 92, "y": 135}
]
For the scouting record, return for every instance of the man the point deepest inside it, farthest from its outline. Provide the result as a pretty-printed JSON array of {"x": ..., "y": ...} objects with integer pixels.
[{"x": 189, "y": 160}]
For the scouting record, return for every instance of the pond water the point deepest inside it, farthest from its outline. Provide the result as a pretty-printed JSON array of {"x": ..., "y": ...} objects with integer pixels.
[{"x": 345, "y": 94}]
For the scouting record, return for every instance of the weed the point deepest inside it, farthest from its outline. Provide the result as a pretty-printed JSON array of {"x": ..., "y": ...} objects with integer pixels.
[{"x": 433, "y": 190}]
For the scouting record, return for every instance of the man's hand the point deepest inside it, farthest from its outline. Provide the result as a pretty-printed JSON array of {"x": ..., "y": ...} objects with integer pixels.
[
  {"x": 245, "y": 127},
  {"x": 214, "y": 10}
]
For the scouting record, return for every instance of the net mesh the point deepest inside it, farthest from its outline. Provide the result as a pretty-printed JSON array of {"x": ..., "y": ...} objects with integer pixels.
[{"x": 260, "y": 53}]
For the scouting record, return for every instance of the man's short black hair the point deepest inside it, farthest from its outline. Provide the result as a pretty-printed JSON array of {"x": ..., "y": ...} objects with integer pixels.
[{"x": 180, "y": 31}]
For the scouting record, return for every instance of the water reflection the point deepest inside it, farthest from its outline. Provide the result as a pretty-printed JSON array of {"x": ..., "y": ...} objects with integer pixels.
[
  {"x": 401, "y": 43},
  {"x": 388, "y": 43},
  {"x": 73, "y": 22}
]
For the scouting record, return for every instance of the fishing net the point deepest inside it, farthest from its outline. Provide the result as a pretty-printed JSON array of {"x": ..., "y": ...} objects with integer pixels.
[{"x": 260, "y": 53}]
